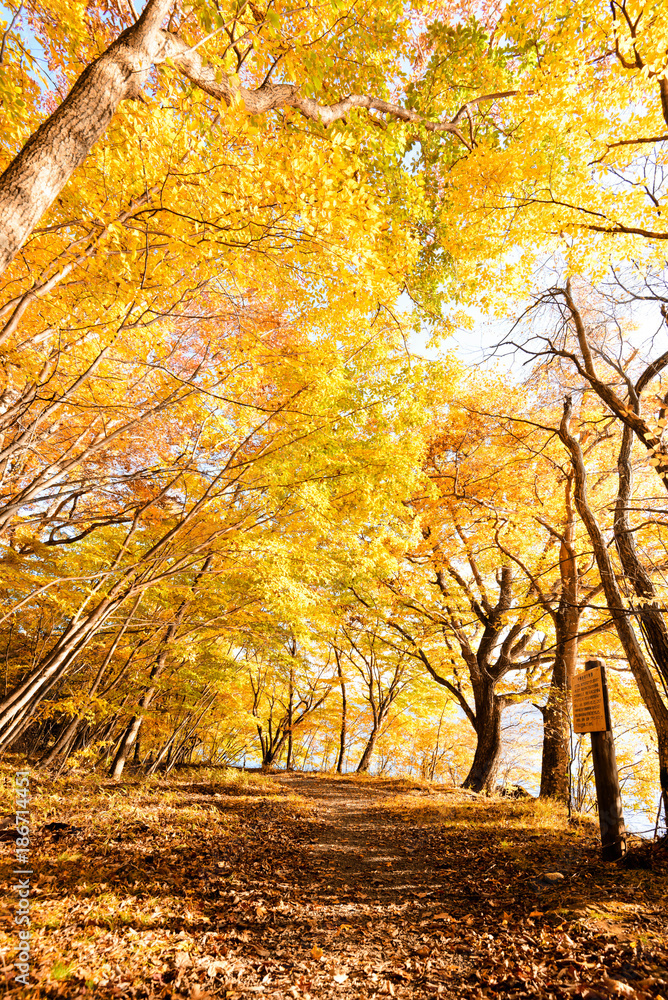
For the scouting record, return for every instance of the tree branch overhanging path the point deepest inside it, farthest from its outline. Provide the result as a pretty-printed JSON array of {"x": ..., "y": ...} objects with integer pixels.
[{"x": 33, "y": 180}]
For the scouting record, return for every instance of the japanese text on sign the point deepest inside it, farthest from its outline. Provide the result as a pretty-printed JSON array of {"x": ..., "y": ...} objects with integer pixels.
[{"x": 589, "y": 702}]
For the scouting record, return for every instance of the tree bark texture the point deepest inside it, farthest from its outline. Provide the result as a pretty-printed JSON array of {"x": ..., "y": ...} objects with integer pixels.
[
  {"x": 485, "y": 764},
  {"x": 365, "y": 759},
  {"x": 484, "y": 678},
  {"x": 648, "y": 611},
  {"x": 556, "y": 757},
  {"x": 25, "y": 698},
  {"x": 33, "y": 180}
]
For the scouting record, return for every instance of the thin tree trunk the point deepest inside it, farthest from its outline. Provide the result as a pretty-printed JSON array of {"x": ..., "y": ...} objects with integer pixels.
[
  {"x": 344, "y": 712},
  {"x": 556, "y": 757},
  {"x": 172, "y": 763},
  {"x": 132, "y": 731},
  {"x": 437, "y": 748},
  {"x": 22, "y": 719},
  {"x": 25, "y": 698},
  {"x": 17, "y": 731},
  {"x": 70, "y": 733},
  {"x": 166, "y": 748},
  {"x": 63, "y": 742},
  {"x": 288, "y": 756},
  {"x": 108, "y": 729}
]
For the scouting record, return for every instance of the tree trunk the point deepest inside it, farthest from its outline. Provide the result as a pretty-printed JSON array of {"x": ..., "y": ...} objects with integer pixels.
[
  {"x": 36, "y": 176},
  {"x": 556, "y": 762},
  {"x": 20, "y": 720},
  {"x": 108, "y": 729},
  {"x": 648, "y": 610},
  {"x": 132, "y": 731},
  {"x": 556, "y": 758},
  {"x": 125, "y": 746},
  {"x": 488, "y": 708},
  {"x": 152, "y": 767},
  {"x": 273, "y": 750},
  {"x": 365, "y": 760},
  {"x": 26, "y": 697},
  {"x": 288, "y": 756},
  {"x": 65, "y": 740},
  {"x": 344, "y": 711}
]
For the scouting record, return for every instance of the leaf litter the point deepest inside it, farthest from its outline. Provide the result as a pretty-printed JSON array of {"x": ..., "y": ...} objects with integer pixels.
[{"x": 297, "y": 886}]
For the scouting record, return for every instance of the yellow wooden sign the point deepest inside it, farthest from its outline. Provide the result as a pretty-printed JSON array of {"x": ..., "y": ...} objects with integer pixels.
[{"x": 589, "y": 702}]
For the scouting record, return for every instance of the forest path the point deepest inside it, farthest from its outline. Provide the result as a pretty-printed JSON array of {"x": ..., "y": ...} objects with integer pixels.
[
  {"x": 359, "y": 846},
  {"x": 223, "y": 885},
  {"x": 402, "y": 891}
]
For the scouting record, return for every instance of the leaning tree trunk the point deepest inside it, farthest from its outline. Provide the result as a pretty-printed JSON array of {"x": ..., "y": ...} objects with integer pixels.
[
  {"x": 209, "y": 700},
  {"x": 36, "y": 176},
  {"x": 379, "y": 716},
  {"x": 648, "y": 609},
  {"x": 131, "y": 734},
  {"x": 66, "y": 740},
  {"x": 128, "y": 740},
  {"x": 151, "y": 768},
  {"x": 22, "y": 719},
  {"x": 132, "y": 731},
  {"x": 365, "y": 759},
  {"x": 619, "y": 614},
  {"x": 24, "y": 700}
]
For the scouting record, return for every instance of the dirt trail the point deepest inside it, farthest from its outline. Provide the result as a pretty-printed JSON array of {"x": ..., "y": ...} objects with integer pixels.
[
  {"x": 393, "y": 891},
  {"x": 357, "y": 847},
  {"x": 314, "y": 887}
]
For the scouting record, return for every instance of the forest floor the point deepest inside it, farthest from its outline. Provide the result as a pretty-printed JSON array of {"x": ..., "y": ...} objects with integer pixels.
[{"x": 235, "y": 885}]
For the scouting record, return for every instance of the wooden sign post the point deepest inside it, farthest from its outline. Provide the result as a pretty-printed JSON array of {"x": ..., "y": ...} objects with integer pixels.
[{"x": 591, "y": 714}]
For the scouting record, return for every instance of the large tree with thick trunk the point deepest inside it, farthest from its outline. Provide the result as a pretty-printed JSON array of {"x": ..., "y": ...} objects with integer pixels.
[{"x": 491, "y": 648}]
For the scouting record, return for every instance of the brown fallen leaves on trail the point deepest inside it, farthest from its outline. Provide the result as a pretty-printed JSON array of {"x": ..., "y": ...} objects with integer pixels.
[{"x": 193, "y": 890}]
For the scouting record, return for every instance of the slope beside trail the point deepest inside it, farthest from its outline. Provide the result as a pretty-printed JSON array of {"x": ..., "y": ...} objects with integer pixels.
[{"x": 317, "y": 887}]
